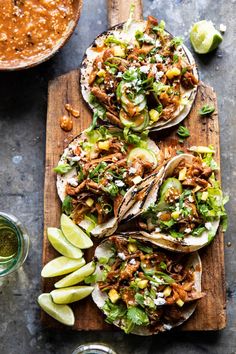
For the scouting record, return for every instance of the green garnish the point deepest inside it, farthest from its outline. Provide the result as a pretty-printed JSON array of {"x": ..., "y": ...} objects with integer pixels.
[
  {"x": 137, "y": 316},
  {"x": 112, "y": 39},
  {"x": 176, "y": 41},
  {"x": 183, "y": 132},
  {"x": 206, "y": 110},
  {"x": 67, "y": 206},
  {"x": 63, "y": 168}
]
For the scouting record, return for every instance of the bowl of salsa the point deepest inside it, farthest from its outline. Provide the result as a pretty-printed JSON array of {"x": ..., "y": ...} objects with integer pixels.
[{"x": 31, "y": 31}]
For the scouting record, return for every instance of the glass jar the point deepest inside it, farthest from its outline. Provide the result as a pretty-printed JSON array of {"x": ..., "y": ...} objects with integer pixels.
[
  {"x": 14, "y": 244},
  {"x": 94, "y": 348}
]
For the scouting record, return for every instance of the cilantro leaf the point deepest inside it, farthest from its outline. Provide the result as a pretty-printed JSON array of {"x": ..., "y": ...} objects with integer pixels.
[
  {"x": 67, "y": 205},
  {"x": 137, "y": 316}
]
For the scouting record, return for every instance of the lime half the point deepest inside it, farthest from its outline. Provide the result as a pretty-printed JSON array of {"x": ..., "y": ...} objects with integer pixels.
[
  {"x": 61, "y": 313},
  {"x": 204, "y": 37}
]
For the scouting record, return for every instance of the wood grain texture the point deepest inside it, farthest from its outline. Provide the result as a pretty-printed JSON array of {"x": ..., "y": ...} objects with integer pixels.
[
  {"x": 210, "y": 313},
  {"x": 118, "y": 10}
]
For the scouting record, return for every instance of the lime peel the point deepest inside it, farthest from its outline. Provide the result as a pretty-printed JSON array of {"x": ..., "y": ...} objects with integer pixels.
[
  {"x": 204, "y": 37},
  {"x": 61, "y": 313}
]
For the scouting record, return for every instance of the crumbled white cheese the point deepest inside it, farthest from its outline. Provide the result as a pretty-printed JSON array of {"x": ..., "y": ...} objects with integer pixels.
[
  {"x": 208, "y": 225},
  {"x": 158, "y": 58},
  {"x": 110, "y": 177},
  {"x": 148, "y": 39},
  {"x": 119, "y": 74},
  {"x": 158, "y": 43},
  {"x": 121, "y": 255},
  {"x": 222, "y": 28},
  {"x": 158, "y": 75},
  {"x": 160, "y": 294},
  {"x": 159, "y": 214},
  {"x": 158, "y": 280},
  {"x": 144, "y": 69},
  {"x": 190, "y": 198},
  {"x": 73, "y": 182},
  {"x": 157, "y": 229},
  {"x": 132, "y": 261},
  {"x": 167, "y": 327},
  {"x": 137, "y": 179},
  {"x": 75, "y": 158},
  {"x": 159, "y": 301},
  {"x": 119, "y": 183},
  {"x": 132, "y": 170},
  {"x": 188, "y": 230},
  {"x": 154, "y": 70}
]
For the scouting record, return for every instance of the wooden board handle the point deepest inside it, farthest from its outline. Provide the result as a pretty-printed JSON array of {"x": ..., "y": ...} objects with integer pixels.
[{"x": 118, "y": 10}]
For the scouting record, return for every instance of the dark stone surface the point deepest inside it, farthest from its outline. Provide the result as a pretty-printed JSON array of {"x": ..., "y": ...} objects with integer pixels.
[{"x": 23, "y": 103}]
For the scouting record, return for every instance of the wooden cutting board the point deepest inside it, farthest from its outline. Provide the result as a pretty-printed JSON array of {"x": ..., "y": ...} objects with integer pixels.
[{"x": 210, "y": 313}]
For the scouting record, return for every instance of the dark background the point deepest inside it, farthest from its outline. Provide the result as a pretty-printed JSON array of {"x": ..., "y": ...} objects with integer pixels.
[{"x": 23, "y": 106}]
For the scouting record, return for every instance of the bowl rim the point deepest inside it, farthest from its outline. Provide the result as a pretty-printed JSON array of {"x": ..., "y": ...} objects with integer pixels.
[{"x": 40, "y": 58}]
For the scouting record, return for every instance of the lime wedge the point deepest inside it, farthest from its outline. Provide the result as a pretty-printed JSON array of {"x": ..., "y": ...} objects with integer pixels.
[
  {"x": 72, "y": 294},
  {"x": 74, "y": 233},
  {"x": 61, "y": 313},
  {"x": 60, "y": 243},
  {"x": 60, "y": 266},
  {"x": 204, "y": 37},
  {"x": 77, "y": 276}
]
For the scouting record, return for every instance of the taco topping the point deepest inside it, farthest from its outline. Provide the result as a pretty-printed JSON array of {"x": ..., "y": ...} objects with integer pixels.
[
  {"x": 188, "y": 201},
  {"x": 103, "y": 165},
  {"x": 139, "y": 75},
  {"x": 145, "y": 286}
]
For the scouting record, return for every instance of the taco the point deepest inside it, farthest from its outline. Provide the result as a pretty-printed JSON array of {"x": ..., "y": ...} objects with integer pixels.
[
  {"x": 186, "y": 214},
  {"x": 102, "y": 173},
  {"x": 137, "y": 75},
  {"x": 143, "y": 289}
]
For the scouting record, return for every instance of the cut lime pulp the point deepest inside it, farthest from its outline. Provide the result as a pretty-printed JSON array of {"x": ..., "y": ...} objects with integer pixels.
[
  {"x": 61, "y": 266},
  {"x": 61, "y": 313},
  {"x": 74, "y": 233},
  {"x": 77, "y": 276},
  {"x": 204, "y": 37},
  {"x": 71, "y": 294},
  {"x": 62, "y": 245}
]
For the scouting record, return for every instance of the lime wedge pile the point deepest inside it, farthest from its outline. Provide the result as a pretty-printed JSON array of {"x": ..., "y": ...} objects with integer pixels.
[
  {"x": 68, "y": 242},
  {"x": 204, "y": 37}
]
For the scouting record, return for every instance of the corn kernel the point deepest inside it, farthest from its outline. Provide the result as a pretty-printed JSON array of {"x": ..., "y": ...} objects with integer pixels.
[
  {"x": 182, "y": 174},
  {"x": 175, "y": 215},
  {"x": 89, "y": 202},
  {"x": 132, "y": 247},
  {"x": 101, "y": 73},
  {"x": 119, "y": 51},
  {"x": 154, "y": 115},
  {"x": 172, "y": 73},
  {"x": 113, "y": 295},
  {"x": 142, "y": 283},
  {"x": 167, "y": 291},
  {"x": 180, "y": 302},
  {"x": 104, "y": 145}
]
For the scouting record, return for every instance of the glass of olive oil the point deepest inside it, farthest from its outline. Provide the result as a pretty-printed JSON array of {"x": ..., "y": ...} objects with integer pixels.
[{"x": 14, "y": 244}]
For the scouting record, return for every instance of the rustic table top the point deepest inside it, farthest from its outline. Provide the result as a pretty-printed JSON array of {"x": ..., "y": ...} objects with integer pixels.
[{"x": 23, "y": 102}]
